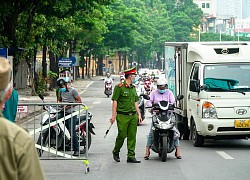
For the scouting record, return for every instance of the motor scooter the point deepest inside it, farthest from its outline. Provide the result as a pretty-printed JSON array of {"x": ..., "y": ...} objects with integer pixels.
[
  {"x": 108, "y": 88},
  {"x": 163, "y": 120},
  {"x": 147, "y": 84},
  {"x": 141, "y": 102},
  {"x": 58, "y": 136}
]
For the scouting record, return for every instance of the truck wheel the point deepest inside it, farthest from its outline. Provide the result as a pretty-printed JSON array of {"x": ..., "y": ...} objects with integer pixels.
[
  {"x": 164, "y": 149},
  {"x": 198, "y": 140}
]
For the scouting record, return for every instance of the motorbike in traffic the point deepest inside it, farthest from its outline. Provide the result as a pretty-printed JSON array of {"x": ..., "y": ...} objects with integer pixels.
[
  {"x": 108, "y": 88},
  {"x": 141, "y": 102},
  {"x": 58, "y": 136},
  {"x": 163, "y": 120},
  {"x": 147, "y": 84}
]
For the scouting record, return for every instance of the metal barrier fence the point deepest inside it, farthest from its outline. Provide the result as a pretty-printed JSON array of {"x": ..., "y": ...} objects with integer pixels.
[{"x": 50, "y": 125}]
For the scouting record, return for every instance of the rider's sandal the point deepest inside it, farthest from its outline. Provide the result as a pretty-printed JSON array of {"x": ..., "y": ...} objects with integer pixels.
[
  {"x": 177, "y": 157},
  {"x": 147, "y": 157}
]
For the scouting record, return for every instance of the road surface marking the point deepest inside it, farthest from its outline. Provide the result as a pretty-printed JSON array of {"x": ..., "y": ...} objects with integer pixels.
[
  {"x": 82, "y": 92},
  {"x": 86, "y": 87},
  {"x": 97, "y": 102},
  {"x": 224, "y": 155},
  {"x": 89, "y": 84}
]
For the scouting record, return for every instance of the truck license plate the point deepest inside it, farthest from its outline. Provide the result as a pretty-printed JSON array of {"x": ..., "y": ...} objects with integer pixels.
[{"x": 242, "y": 123}]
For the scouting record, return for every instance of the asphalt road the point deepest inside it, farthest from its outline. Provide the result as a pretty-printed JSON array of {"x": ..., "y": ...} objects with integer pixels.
[{"x": 217, "y": 160}]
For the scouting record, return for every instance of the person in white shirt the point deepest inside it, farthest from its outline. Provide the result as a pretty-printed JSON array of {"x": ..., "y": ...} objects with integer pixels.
[{"x": 108, "y": 79}]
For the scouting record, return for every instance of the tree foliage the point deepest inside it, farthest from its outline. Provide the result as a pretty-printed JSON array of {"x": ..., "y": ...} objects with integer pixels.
[{"x": 135, "y": 28}]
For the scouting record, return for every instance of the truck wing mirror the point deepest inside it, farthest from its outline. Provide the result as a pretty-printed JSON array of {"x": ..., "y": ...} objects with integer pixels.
[
  {"x": 179, "y": 97},
  {"x": 194, "y": 85},
  {"x": 203, "y": 87}
]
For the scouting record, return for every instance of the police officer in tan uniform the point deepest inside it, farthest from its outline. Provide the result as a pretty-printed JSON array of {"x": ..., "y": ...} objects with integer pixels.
[
  {"x": 126, "y": 112},
  {"x": 18, "y": 156}
]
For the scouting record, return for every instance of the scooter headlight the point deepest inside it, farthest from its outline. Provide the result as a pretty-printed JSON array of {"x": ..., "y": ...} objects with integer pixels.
[
  {"x": 209, "y": 110},
  {"x": 165, "y": 125}
]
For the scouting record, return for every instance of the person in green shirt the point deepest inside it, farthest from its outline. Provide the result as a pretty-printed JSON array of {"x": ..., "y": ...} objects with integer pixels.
[
  {"x": 126, "y": 112},
  {"x": 10, "y": 106}
]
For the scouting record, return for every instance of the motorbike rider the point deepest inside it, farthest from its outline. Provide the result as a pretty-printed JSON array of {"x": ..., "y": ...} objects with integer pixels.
[
  {"x": 108, "y": 79},
  {"x": 162, "y": 93},
  {"x": 153, "y": 86},
  {"x": 68, "y": 94}
]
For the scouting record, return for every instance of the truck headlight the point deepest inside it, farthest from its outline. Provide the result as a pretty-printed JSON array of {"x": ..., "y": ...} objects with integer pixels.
[{"x": 209, "y": 110}]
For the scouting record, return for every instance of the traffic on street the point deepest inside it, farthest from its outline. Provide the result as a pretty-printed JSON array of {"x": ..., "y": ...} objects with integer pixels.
[{"x": 218, "y": 159}]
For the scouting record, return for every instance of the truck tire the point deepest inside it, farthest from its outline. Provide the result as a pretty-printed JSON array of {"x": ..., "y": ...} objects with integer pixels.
[
  {"x": 198, "y": 140},
  {"x": 164, "y": 149}
]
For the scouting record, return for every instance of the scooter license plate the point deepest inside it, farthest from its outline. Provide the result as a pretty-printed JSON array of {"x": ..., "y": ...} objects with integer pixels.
[{"x": 242, "y": 123}]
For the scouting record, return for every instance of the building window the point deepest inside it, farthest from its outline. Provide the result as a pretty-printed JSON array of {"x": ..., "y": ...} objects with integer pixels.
[
  {"x": 207, "y": 5},
  {"x": 203, "y": 5}
]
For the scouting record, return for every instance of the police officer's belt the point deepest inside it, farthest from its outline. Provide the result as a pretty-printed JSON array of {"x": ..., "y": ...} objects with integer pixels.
[{"x": 126, "y": 113}]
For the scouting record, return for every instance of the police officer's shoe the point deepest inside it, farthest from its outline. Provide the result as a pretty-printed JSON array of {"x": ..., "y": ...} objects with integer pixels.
[
  {"x": 116, "y": 157},
  {"x": 132, "y": 160}
]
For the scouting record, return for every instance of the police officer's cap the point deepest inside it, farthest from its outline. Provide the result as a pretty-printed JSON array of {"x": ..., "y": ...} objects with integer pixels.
[{"x": 130, "y": 71}]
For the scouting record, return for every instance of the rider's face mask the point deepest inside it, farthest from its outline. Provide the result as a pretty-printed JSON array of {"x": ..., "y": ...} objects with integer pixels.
[
  {"x": 63, "y": 89},
  {"x": 161, "y": 91},
  {"x": 67, "y": 79}
]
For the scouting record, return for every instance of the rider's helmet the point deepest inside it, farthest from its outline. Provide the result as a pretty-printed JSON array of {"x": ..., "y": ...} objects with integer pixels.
[
  {"x": 162, "y": 83},
  {"x": 61, "y": 81},
  {"x": 108, "y": 75}
]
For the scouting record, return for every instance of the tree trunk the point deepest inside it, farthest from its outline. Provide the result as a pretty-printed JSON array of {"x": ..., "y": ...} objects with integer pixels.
[
  {"x": 89, "y": 65},
  {"x": 119, "y": 55},
  {"x": 53, "y": 67},
  {"x": 34, "y": 74},
  {"x": 100, "y": 65},
  {"x": 125, "y": 60},
  {"x": 44, "y": 63}
]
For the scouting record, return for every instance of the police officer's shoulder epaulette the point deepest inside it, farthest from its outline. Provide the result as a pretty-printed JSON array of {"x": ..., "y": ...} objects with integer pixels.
[{"x": 120, "y": 85}]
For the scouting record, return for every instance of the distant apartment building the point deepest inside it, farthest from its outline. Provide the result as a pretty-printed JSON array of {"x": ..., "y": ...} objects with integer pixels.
[
  {"x": 209, "y": 14},
  {"x": 246, "y": 9},
  {"x": 229, "y": 8}
]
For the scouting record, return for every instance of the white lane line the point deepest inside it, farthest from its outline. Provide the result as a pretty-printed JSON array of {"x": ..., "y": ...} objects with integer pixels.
[
  {"x": 224, "y": 155},
  {"x": 97, "y": 102},
  {"x": 86, "y": 87},
  {"x": 82, "y": 92},
  {"x": 89, "y": 84}
]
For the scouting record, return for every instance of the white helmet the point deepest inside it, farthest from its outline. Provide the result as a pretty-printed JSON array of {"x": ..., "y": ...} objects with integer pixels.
[{"x": 162, "y": 82}]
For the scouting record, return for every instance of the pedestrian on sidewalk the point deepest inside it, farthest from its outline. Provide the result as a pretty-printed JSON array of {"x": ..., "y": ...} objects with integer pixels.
[
  {"x": 18, "y": 156},
  {"x": 126, "y": 112}
]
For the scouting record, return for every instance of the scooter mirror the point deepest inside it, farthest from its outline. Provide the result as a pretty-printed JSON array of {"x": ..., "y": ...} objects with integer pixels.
[{"x": 41, "y": 96}]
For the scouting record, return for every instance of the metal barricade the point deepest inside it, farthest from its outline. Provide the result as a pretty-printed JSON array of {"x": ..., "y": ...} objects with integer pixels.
[{"x": 48, "y": 123}]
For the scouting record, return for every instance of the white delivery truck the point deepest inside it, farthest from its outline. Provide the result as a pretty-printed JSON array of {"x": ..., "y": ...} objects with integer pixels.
[{"x": 211, "y": 81}]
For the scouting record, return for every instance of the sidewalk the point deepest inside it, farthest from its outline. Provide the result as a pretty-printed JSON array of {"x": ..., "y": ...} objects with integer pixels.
[{"x": 25, "y": 94}]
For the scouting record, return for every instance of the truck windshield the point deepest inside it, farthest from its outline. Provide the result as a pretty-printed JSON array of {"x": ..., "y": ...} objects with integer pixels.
[{"x": 227, "y": 78}]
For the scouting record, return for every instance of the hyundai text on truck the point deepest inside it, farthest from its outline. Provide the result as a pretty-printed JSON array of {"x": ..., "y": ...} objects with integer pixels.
[{"x": 211, "y": 81}]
